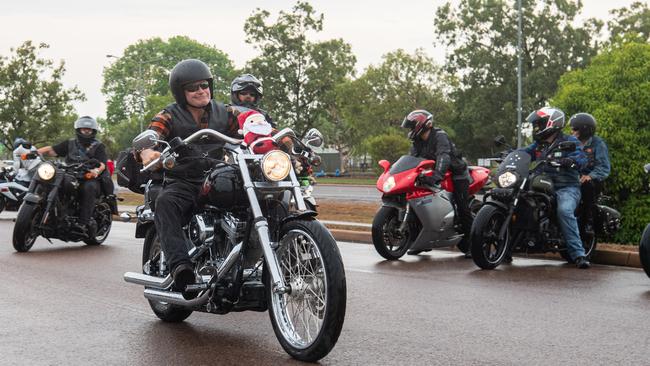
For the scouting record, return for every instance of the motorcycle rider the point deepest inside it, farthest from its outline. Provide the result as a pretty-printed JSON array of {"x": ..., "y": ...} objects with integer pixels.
[
  {"x": 246, "y": 91},
  {"x": 592, "y": 176},
  {"x": 547, "y": 126},
  {"x": 191, "y": 83},
  {"x": 21, "y": 147},
  {"x": 80, "y": 149},
  {"x": 430, "y": 142}
]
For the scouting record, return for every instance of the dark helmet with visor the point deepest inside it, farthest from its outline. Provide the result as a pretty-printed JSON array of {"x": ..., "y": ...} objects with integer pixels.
[
  {"x": 546, "y": 122},
  {"x": 585, "y": 123},
  {"x": 86, "y": 122},
  {"x": 185, "y": 72},
  {"x": 417, "y": 122},
  {"x": 246, "y": 82}
]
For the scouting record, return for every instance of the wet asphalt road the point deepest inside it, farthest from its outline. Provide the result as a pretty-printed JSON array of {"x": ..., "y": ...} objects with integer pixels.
[{"x": 67, "y": 304}]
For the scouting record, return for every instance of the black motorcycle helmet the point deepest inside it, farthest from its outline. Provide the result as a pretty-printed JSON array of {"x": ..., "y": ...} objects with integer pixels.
[
  {"x": 417, "y": 122},
  {"x": 246, "y": 82},
  {"x": 185, "y": 72},
  {"x": 546, "y": 122},
  {"x": 585, "y": 123},
  {"x": 21, "y": 141},
  {"x": 86, "y": 122}
]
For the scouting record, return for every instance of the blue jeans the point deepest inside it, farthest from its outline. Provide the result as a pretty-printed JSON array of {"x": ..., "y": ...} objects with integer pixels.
[{"x": 567, "y": 201}]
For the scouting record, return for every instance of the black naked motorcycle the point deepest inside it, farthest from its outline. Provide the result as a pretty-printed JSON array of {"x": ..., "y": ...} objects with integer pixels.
[
  {"x": 644, "y": 244},
  {"x": 250, "y": 248},
  {"x": 519, "y": 215},
  {"x": 50, "y": 208}
]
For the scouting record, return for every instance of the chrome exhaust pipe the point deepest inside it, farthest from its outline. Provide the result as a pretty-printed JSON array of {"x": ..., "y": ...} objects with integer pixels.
[
  {"x": 148, "y": 281},
  {"x": 175, "y": 298}
]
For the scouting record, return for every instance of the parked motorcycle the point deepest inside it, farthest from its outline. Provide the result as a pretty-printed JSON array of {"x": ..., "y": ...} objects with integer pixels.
[
  {"x": 250, "y": 250},
  {"x": 15, "y": 184},
  {"x": 644, "y": 244},
  {"x": 50, "y": 208},
  {"x": 519, "y": 214},
  {"x": 416, "y": 217}
]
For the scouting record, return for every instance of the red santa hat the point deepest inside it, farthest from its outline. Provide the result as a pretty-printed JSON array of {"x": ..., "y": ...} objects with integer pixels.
[{"x": 257, "y": 132}]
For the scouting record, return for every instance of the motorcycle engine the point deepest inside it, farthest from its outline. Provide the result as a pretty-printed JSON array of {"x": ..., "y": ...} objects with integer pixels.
[{"x": 200, "y": 229}]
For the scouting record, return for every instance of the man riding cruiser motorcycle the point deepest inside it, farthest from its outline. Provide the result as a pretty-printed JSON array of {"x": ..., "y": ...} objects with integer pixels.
[
  {"x": 80, "y": 149},
  {"x": 191, "y": 83},
  {"x": 594, "y": 173},
  {"x": 246, "y": 91},
  {"x": 547, "y": 126},
  {"x": 433, "y": 143}
]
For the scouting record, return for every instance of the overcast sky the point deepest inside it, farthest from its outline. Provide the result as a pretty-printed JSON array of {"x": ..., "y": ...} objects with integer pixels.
[{"x": 82, "y": 32}]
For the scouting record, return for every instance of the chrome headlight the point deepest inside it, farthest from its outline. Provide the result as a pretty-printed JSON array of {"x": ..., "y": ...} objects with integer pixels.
[
  {"x": 276, "y": 165},
  {"x": 46, "y": 171},
  {"x": 389, "y": 184},
  {"x": 507, "y": 179}
]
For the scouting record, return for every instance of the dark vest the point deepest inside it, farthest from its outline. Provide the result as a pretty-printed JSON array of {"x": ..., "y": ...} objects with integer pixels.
[{"x": 78, "y": 153}]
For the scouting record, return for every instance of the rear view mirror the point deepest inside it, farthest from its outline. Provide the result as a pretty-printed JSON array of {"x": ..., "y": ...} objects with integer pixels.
[
  {"x": 314, "y": 138},
  {"x": 145, "y": 140},
  {"x": 567, "y": 146},
  {"x": 500, "y": 140}
]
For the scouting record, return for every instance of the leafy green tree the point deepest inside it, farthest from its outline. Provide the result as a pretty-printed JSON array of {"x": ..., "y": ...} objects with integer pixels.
[
  {"x": 631, "y": 23},
  {"x": 35, "y": 105},
  {"x": 615, "y": 89},
  {"x": 143, "y": 71},
  {"x": 387, "y": 147},
  {"x": 299, "y": 75},
  {"x": 482, "y": 38}
]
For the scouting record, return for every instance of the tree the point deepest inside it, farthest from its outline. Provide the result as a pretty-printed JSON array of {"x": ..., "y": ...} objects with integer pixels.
[
  {"x": 143, "y": 70},
  {"x": 387, "y": 147},
  {"x": 378, "y": 100},
  {"x": 631, "y": 24},
  {"x": 35, "y": 105},
  {"x": 615, "y": 89},
  {"x": 299, "y": 75},
  {"x": 482, "y": 37}
]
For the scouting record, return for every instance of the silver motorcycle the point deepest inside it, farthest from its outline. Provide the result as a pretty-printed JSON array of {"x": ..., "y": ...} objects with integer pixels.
[{"x": 250, "y": 249}]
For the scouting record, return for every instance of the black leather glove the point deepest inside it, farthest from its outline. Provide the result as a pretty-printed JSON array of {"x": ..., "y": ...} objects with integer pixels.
[
  {"x": 567, "y": 163},
  {"x": 433, "y": 180}
]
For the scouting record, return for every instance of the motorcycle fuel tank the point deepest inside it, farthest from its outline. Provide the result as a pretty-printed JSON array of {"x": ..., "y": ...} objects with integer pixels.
[{"x": 436, "y": 214}]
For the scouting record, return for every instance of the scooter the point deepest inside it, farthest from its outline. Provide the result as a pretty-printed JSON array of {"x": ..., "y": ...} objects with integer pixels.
[{"x": 418, "y": 218}]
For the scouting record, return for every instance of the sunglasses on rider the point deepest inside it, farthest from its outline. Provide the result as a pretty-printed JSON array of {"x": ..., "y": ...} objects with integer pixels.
[
  {"x": 246, "y": 92},
  {"x": 194, "y": 87}
]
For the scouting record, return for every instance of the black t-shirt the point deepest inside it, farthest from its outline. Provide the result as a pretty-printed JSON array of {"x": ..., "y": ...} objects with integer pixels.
[{"x": 99, "y": 153}]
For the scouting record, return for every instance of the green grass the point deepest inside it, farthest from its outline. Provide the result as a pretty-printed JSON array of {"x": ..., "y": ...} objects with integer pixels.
[{"x": 347, "y": 180}]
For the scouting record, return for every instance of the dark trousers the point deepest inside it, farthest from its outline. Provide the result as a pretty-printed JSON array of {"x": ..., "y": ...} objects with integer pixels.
[
  {"x": 174, "y": 207},
  {"x": 461, "y": 196},
  {"x": 590, "y": 191},
  {"x": 88, "y": 192}
]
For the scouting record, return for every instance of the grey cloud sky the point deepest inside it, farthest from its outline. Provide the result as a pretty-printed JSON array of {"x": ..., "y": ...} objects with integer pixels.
[{"x": 82, "y": 32}]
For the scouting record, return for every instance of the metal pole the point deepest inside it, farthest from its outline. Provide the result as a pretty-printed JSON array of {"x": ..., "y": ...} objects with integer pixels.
[
  {"x": 519, "y": 107},
  {"x": 141, "y": 87}
]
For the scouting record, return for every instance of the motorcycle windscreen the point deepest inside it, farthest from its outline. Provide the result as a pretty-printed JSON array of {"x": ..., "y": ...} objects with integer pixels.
[
  {"x": 517, "y": 161},
  {"x": 406, "y": 162}
]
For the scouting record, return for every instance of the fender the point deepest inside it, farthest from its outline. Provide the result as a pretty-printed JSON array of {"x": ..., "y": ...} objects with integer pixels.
[
  {"x": 393, "y": 201},
  {"x": 497, "y": 204},
  {"x": 32, "y": 198},
  {"x": 141, "y": 228},
  {"x": 298, "y": 216}
]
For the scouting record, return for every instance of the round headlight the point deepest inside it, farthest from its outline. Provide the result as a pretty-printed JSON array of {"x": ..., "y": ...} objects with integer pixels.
[
  {"x": 276, "y": 165},
  {"x": 45, "y": 171},
  {"x": 507, "y": 179},
  {"x": 389, "y": 184}
]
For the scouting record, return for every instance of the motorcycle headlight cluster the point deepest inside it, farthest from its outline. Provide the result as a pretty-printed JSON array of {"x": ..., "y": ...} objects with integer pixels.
[
  {"x": 389, "y": 184},
  {"x": 46, "y": 171},
  {"x": 276, "y": 165},
  {"x": 507, "y": 179}
]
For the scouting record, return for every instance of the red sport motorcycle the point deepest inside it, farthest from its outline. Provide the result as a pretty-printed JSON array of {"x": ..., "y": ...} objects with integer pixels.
[{"x": 418, "y": 218}]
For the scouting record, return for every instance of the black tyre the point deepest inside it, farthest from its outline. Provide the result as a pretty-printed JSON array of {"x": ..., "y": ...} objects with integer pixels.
[
  {"x": 3, "y": 203},
  {"x": 307, "y": 321},
  {"x": 644, "y": 250},
  {"x": 389, "y": 242},
  {"x": 24, "y": 234},
  {"x": 154, "y": 266},
  {"x": 104, "y": 219},
  {"x": 486, "y": 248}
]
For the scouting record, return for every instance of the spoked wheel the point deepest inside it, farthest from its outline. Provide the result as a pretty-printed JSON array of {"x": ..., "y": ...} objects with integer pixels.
[
  {"x": 307, "y": 320},
  {"x": 104, "y": 219},
  {"x": 487, "y": 250},
  {"x": 153, "y": 264},
  {"x": 644, "y": 250},
  {"x": 389, "y": 242},
  {"x": 24, "y": 232}
]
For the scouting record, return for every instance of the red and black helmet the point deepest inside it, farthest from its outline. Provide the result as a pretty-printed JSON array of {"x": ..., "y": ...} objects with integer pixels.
[
  {"x": 545, "y": 122},
  {"x": 417, "y": 121}
]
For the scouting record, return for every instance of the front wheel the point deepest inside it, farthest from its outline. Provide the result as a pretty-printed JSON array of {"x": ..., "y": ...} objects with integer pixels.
[
  {"x": 3, "y": 203},
  {"x": 307, "y": 320},
  {"x": 104, "y": 218},
  {"x": 153, "y": 264},
  {"x": 487, "y": 249},
  {"x": 644, "y": 250},
  {"x": 389, "y": 241},
  {"x": 24, "y": 232}
]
